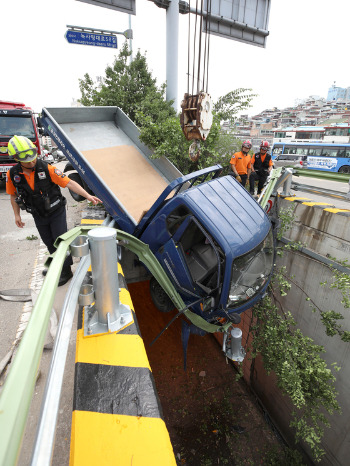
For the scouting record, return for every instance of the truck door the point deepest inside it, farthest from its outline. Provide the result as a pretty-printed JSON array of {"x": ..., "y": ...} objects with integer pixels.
[{"x": 191, "y": 258}]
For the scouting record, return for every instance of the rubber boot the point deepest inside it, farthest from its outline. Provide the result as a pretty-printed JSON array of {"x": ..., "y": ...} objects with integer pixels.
[{"x": 66, "y": 275}]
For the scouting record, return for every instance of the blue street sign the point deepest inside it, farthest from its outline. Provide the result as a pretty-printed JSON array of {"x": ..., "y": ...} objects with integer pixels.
[{"x": 91, "y": 38}]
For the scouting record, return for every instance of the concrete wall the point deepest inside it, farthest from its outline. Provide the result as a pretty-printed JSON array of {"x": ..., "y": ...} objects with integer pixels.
[{"x": 325, "y": 232}]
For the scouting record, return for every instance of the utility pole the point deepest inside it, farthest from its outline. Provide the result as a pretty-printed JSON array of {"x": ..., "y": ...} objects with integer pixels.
[{"x": 172, "y": 46}]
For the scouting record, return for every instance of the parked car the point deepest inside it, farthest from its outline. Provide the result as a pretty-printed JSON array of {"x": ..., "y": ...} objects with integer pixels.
[{"x": 290, "y": 160}]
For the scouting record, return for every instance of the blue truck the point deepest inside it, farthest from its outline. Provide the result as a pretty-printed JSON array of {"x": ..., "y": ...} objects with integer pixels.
[{"x": 214, "y": 241}]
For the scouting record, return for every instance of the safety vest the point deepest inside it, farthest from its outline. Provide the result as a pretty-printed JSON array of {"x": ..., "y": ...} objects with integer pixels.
[
  {"x": 46, "y": 197},
  {"x": 260, "y": 166}
]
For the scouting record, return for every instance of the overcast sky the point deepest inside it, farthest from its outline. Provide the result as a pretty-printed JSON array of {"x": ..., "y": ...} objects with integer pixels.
[{"x": 306, "y": 51}]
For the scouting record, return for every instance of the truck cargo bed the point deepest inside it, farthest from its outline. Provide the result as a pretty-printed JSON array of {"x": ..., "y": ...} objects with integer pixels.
[
  {"x": 103, "y": 145},
  {"x": 131, "y": 178}
]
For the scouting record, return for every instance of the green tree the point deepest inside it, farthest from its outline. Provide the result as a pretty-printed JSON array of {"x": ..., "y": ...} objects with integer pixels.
[
  {"x": 230, "y": 105},
  {"x": 129, "y": 87}
]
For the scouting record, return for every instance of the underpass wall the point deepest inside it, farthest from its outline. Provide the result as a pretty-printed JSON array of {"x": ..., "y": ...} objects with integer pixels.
[{"x": 325, "y": 233}]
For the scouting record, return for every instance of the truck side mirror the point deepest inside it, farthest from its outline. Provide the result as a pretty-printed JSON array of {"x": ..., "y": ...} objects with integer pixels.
[{"x": 41, "y": 130}]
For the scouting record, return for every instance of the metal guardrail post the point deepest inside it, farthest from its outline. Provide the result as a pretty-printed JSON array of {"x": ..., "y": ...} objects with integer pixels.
[
  {"x": 270, "y": 187},
  {"x": 287, "y": 185},
  {"x": 107, "y": 314}
]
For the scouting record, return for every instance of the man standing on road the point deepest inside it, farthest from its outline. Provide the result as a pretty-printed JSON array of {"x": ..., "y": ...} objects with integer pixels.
[
  {"x": 261, "y": 167},
  {"x": 240, "y": 163},
  {"x": 34, "y": 186}
]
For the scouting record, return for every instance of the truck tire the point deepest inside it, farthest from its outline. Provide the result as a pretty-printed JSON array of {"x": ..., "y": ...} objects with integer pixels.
[
  {"x": 159, "y": 297},
  {"x": 75, "y": 177}
]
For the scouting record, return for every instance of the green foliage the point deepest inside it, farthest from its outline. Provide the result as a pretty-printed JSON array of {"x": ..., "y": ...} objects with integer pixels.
[
  {"x": 230, "y": 105},
  {"x": 340, "y": 281},
  {"x": 286, "y": 217},
  {"x": 286, "y": 457},
  {"x": 165, "y": 137},
  {"x": 330, "y": 318},
  {"x": 31, "y": 238},
  {"x": 297, "y": 361},
  {"x": 129, "y": 87},
  {"x": 301, "y": 372}
]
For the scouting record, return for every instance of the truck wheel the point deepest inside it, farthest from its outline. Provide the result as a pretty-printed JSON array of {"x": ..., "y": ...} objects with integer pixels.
[
  {"x": 75, "y": 177},
  {"x": 159, "y": 297}
]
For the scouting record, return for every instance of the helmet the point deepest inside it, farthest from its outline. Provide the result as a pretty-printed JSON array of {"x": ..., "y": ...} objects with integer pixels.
[
  {"x": 22, "y": 149},
  {"x": 247, "y": 144},
  {"x": 265, "y": 145}
]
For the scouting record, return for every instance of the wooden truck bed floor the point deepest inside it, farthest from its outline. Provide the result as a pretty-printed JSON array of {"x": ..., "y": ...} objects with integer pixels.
[{"x": 128, "y": 174}]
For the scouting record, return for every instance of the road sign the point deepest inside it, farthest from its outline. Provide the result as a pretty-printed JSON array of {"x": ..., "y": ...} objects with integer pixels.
[
  {"x": 91, "y": 38},
  {"x": 125, "y": 6}
]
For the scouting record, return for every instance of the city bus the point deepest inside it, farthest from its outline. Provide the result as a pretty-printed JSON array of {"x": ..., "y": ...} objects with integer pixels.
[{"x": 319, "y": 156}]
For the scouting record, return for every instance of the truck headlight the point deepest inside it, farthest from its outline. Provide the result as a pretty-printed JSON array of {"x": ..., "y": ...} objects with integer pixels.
[{"x": 250, "y": 272}]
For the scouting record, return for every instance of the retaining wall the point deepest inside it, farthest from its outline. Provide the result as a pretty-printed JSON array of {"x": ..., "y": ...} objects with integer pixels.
[{"x": 325, "y": 232}]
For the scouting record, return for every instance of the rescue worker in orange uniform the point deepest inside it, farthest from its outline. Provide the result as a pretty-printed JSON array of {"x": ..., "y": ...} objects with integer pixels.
[
  {"x": 241, "y": 163},
  {"x": 261, "y": 167},
  {"x": 34, "y": 186}
]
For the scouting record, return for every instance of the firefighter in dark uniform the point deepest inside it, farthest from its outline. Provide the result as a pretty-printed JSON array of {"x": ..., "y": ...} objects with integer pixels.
[
  {"x": 34, "y": 186},
  {"x": 261, "y": 167}
]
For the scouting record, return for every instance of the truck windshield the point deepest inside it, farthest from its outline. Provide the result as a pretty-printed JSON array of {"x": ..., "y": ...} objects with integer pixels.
[
  {"x": 15, "y": 125},
  {"x": 250, "y": 272}
]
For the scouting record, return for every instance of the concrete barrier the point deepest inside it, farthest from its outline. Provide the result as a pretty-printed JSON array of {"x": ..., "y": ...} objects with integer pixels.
[
  {"x": 325, "y": 232},
  {"x": 117, "y": 417}
]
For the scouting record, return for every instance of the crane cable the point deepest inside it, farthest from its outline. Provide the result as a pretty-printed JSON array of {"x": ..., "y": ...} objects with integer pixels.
[
  {"x": 205, "y": 80},
  {"x": 207, "y": 46}
]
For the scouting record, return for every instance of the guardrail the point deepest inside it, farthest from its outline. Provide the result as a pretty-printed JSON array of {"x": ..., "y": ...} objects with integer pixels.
[
  {"x": 316, "y": 190},
  {"x": 322, "y": 175},
  {"x": 18, "y": 389}
]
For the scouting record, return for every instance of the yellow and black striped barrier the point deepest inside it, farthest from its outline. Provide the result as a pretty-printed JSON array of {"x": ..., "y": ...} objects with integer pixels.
[
  {"x": 117, "y": 417},
  {"x": 322, "y": 205}
]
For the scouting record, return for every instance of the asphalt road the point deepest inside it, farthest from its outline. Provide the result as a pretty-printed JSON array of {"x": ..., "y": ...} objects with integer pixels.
[
  {"x": 22, "y": 255},
  {"x": 22, "y": 258},
  {"x": 339, "y": 203}
]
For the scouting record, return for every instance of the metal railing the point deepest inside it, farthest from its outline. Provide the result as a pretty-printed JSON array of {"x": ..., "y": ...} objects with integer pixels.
[
  {"x": 282, "y": 176},
  {"x": 322, "y": 175},
  {"x": 18, "y": 389}
]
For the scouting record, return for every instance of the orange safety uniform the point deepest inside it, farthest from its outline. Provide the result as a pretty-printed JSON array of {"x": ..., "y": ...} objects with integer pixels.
[
  {"x": 56, "y": 176},
  {"x": 242, "y": 162}
]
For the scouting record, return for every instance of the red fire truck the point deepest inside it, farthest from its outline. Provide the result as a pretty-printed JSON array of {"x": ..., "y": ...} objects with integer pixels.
[{"x": 15, "y": 119}]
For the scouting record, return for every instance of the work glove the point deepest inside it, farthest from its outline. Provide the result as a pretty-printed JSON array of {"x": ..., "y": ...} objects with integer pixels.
[{"x": 239, "y": 179}]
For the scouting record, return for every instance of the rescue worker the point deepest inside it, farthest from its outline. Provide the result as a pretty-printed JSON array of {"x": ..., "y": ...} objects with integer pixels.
[
  {"x": 241, "y": 163},
  {"x": 34, "y": 186},
  {"x": 261, "y": 167}
]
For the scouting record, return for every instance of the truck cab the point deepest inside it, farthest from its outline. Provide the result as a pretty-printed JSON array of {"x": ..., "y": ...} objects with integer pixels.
[
  {"x": 216, "y": 245},
  {"x": 15, "y": 119}
]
